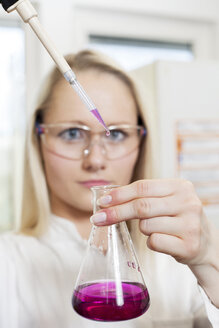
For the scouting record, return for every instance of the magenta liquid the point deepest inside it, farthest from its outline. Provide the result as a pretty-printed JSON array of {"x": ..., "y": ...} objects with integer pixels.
[{"x": 97, "y": 301}]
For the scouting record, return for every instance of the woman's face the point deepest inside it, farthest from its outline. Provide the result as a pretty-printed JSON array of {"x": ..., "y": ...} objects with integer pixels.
[{"x": 69, "y": 180}]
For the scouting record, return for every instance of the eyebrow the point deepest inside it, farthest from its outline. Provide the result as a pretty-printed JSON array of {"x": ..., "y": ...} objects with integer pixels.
[
  {"x": 120, "y": 123},
  {"x": 71, "y": 121},
  {"x": 85, "y": 123}
]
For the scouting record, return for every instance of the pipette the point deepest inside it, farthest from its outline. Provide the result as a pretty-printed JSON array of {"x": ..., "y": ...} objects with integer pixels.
[{"x": 29, "y": 15}]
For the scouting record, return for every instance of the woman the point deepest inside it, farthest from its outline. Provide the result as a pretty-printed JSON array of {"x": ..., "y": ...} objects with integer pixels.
[{"x": 67, "y": 153}]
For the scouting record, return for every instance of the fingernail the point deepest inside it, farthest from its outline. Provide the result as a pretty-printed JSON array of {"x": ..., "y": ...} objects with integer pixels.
[
  {"x": 104, "y": 200},
  {"x": 98, "y": 218}
]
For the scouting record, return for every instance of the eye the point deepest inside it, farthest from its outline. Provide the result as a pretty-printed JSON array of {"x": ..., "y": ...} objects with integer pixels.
[
  {"x": 117, "y": 135},
  {"x": 72, "y": 134}
]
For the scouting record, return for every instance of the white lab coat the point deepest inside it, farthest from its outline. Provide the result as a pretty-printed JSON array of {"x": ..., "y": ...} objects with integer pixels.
[{"x": 37, "y": 278}]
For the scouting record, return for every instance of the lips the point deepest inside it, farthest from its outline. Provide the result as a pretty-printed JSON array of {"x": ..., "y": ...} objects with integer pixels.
[{"x": 91, "y": 183}]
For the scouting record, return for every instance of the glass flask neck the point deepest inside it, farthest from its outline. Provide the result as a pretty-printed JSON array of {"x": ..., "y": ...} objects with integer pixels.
[{"x": 99, "y": 191}]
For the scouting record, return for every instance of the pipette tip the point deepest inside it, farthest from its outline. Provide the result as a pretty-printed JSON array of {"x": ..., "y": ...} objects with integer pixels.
[{"x": 101, "y": 121}]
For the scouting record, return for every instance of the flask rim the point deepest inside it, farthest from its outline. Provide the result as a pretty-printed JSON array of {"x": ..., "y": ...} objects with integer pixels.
[{"x": 104, "y": 187}]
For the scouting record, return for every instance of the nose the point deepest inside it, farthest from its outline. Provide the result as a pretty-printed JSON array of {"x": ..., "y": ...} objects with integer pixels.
[{"x": 94, "y": 158}]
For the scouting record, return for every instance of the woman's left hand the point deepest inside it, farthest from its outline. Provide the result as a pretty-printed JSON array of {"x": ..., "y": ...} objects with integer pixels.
[{"x": 170, "y": 214}]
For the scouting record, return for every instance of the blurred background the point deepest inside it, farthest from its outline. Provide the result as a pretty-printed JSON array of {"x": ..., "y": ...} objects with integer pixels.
[{"x": 172, "y": 49}]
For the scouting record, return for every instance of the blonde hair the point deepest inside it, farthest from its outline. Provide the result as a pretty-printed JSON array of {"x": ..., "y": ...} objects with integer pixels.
[{"x": 35, "y": 211}]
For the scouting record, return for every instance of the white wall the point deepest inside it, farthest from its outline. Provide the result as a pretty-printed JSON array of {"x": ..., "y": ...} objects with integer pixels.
[{"x": 188, "y": 9}]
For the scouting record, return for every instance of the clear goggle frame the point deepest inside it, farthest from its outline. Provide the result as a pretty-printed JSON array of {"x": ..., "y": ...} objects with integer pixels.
[{"x": 74, "y": 141}]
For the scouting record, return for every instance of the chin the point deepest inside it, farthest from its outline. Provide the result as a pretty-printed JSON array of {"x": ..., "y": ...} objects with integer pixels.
[{"x": 84, "y": 204}]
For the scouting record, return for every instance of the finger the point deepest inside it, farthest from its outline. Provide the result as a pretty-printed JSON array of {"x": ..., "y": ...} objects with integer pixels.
[
  {"x": 165, "y": 225},
  {"x": 167, "y": 244},
  {"x": 142, "y": 208},
  {"x": 139, "y": 189}
]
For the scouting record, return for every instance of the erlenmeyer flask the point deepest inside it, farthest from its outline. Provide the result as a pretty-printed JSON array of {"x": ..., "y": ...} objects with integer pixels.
[{"x": 110, "y": 285}]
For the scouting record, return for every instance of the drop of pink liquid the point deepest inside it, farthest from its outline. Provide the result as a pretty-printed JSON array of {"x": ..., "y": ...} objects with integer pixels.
[{"x": 97, "y": 115}]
